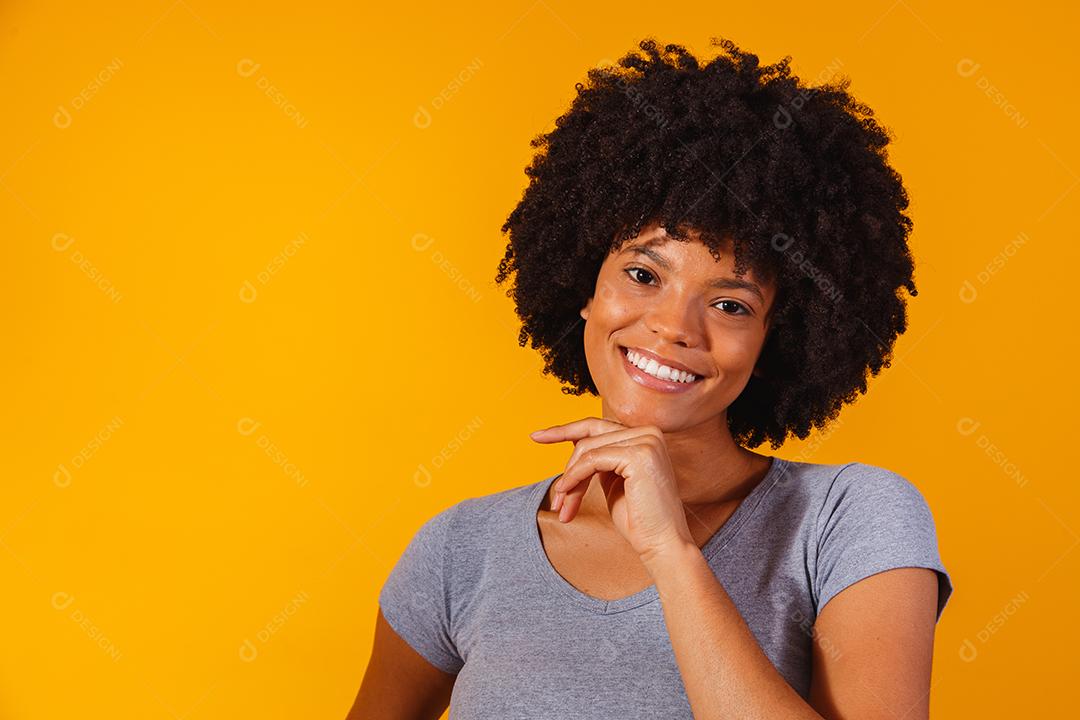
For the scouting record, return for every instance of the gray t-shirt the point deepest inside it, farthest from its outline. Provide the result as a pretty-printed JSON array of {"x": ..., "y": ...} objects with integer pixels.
[{"x": 475, "y": 594}]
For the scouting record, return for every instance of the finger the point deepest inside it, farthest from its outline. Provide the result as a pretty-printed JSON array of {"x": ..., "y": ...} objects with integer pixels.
[
  {"x": 608, "y": 438},
  {"x": 576, "y": 430},
  {"x": 568, "y": 501},
  {"x": 571, "y": 501},
  {"x": 576, "y": 498},
  {"x": 556, "y": 503},
  {"x": 621, "y": 434},
  {"x": 578, "y": 471},
  {"x": 576, "y": 479}
]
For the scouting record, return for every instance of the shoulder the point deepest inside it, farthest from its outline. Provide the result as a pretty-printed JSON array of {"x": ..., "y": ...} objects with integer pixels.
[
  {"x": 475, "y": 522},
  {"x": 873, "y": 493},
  {"x": 872, "y": 519},
  {"x": 824, "y": 488},
  {"x": 866, "y": 475},
  {"x": 452, "y": 544}
]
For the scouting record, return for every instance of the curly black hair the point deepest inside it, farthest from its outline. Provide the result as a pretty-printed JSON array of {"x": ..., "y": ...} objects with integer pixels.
[{"x": 796, "y": 176}]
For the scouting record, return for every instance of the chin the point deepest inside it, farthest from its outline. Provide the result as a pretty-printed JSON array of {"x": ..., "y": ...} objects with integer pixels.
[{"x": 636, "y": 416}]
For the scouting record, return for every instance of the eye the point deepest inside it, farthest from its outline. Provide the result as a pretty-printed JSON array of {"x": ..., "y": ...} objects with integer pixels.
[
  {"x": 739, "y": 306},
  {"x": 632, "y": 270},
  {"x": 740, "y": 309}
]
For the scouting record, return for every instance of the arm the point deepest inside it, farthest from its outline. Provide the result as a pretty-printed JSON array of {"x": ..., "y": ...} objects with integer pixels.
[
  {"x": 399, "y": 684},
  {"x": 879, "y": 634},
  {"x": 873, "y": 647}
]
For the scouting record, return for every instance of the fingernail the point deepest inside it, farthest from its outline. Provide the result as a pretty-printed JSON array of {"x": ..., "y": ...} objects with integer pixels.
[{"x": 534, "y": 433}]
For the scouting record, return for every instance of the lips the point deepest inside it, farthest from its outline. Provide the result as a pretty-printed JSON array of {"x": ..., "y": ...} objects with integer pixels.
[
  {"x": 661, "y": 359},
  {"x": 654, "y": 383}
]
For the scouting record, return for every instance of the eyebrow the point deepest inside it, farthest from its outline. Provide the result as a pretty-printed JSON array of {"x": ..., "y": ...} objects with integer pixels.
[{"x": 722, "y": 283}]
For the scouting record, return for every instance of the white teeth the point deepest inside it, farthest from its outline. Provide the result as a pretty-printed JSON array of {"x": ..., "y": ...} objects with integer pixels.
[{"x": 657, "y": 370}]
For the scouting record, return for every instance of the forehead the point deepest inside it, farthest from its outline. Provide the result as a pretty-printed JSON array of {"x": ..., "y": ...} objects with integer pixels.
[
  {"x": 688, "y": 254},
  {"x": 654, "y": 235}
]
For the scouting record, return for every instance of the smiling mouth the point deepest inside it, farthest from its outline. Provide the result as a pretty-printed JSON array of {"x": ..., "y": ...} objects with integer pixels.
[{"x": 659, "y": 371}]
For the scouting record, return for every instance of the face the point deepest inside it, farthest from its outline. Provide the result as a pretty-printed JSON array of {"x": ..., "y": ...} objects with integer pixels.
[{"x": 670, "y": 300}]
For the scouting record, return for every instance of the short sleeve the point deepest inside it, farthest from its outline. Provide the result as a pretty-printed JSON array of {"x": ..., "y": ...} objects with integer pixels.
[
  {"x": 414, "y": 598},
  {"x": 873, "y": 520}
]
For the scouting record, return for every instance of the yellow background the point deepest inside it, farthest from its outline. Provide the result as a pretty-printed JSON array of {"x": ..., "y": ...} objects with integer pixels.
[{"x": 252, "y": 338}]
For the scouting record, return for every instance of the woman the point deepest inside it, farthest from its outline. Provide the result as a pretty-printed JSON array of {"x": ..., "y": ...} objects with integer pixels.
[{"x": 715, "y": 251}]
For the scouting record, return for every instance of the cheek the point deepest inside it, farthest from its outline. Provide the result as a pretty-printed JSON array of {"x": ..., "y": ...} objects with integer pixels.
[
  {"x": 611, "y": 308},
  {"x": 736, "y": 352}
]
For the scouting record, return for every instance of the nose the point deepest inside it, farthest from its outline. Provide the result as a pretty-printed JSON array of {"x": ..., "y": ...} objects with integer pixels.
[{"x": 674, "y": 321}]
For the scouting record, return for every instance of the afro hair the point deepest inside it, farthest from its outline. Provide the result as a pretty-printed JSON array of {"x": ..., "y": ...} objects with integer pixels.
[{"x": 795, "y": 176}]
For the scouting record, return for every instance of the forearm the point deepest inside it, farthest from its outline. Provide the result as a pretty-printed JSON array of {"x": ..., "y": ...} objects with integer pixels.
[{"x": 724, "y": 670}]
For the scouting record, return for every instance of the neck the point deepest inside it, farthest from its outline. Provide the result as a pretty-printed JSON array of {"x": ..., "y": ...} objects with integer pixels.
[{"x": 711, "y": 469}]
